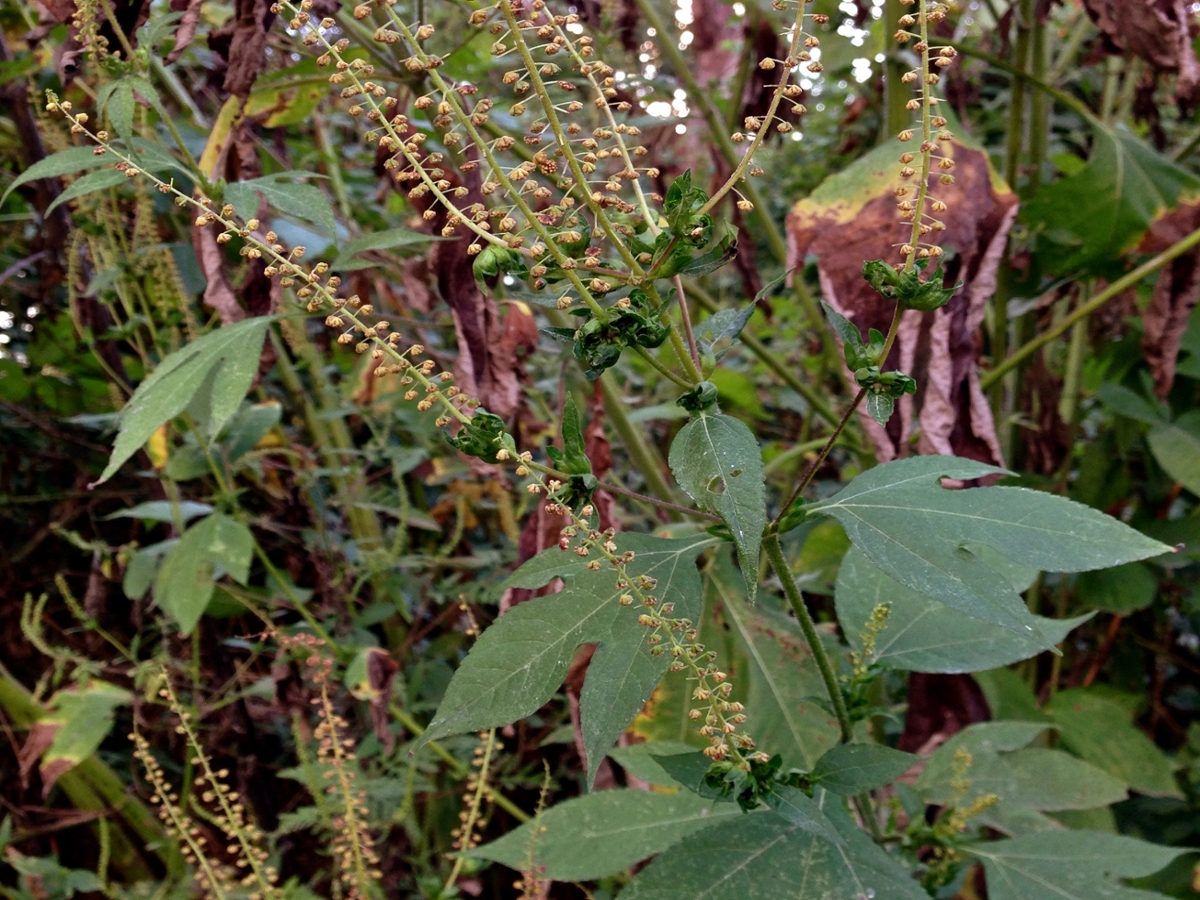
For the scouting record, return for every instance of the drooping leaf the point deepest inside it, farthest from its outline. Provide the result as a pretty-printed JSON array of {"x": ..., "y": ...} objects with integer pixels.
[
  {"x": 1026, "y": 780},
  {"x": 765, "y": 857},
  {"x": 64, "y": 162},
  {"x": 1100, "y": 212},
  {"x": 1176, "y": 447},
  {"x": 88, "y": 184},
  {"x": 1097, "y": 725},
  {"x": 914, "y": 530},
  {"x": 225, "y": 359},
  {"x": 80, "y": 719},
  {"x": 922, "y": 635},
  {"x": 1070, "y": 865},
  {"x": 604, "y": 833},
  {"x": 518, "y": 663},
  {"x": 717, "y": 461},
  {"x": 850, "y": 769},
  {"x": 186, "y": 578},
  {"x": 293, "y": 198},
  {"x": 401, "y": 239},
  {"x": 782, "y": 673},
  {"x": 1122, "y": 590}
]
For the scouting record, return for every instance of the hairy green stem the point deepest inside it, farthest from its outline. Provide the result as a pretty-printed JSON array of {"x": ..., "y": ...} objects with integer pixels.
[
  {"x": 1117, "y": 287},
  {"x": 809, "y": 627}
]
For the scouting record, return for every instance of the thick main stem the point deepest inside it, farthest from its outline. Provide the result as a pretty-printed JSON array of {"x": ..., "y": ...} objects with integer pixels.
[{"x": 809, "y": 627}]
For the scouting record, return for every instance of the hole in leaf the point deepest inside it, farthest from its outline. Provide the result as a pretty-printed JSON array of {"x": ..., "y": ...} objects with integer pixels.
[{"x": 716, "y": 485}]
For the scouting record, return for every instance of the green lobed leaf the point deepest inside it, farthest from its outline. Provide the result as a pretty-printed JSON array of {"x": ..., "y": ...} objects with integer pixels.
[
  {"x": 717, "y": 461},
  {"x": 914, "y": 530},
  {"x": 88, "y": 184},
  {"x": 519, "y": 662},
  {"x": 1027, "y": 781},
  {"x": 304, "y": 201},
  {"x": 1097, "y": 725},
  {"x": 1094, "y": 216},
  {"x": 1070, "y": 865},
  {"x": 228, "y": 355},
  {"x": 764, "y": 857},
  {"x": 388, "y": 239},
  {"x": 186, "y": 578},
  {"x": 850, "y": 769},
  {"x": 604, "y": 833},
  {"x": 922, "y": 634},
  {"x": 782, "y": 673},
  {"x": 65, "y": 162}
]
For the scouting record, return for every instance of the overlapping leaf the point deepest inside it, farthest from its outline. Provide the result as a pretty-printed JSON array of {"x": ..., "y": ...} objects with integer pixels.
[
  {"x": 1070, "y": 865},
  {"x": 519, "y": 662},
  {"x": 781, "y": 671},
  {"x": 765, "y": 857},
  {"x": 922, "y": 635},
  {"x": 1026, "y": 780},
  {"x": 916, "y": 532},
  {"x": 1098, "y": 213},
  {"x": 222, "y": 362},
  {"x": 604, "y": 833},
  {"x": 187, "y": 576},
  {"x": 716, "y": 459}
]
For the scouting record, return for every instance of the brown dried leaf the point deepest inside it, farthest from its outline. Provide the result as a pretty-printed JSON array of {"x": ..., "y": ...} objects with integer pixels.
[
  {"x": 187, "y": 26},
  {"x": 851, "y": 218},
  {"x": 218, "y": 292},
  {"x": 242, "y": 43},
  {"x": 1158, "y": 31},
  {"x": 41, "y": 736},
  {"x": 381, "y": 674},
  {"x": 1175, "y": 295}
]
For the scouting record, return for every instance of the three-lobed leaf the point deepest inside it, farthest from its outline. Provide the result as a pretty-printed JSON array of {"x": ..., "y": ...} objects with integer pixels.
[
  {"x": 917, "y": 532},
  {"x": 922, "y": 634},
  {"x": 186, "y": 578},
  {"x": 763, "y": 856},
  {"x": 604, "y": 833},
  {"x": 1070, "y": 865},
  {"x": 222, "y": 362},
  {"x": 519, "y": 662},
  {"x": 717, "y": 461}
]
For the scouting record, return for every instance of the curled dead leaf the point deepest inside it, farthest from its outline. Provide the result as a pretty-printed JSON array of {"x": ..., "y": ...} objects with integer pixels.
[
  {"x": 1175, "y": 294},
  {"x": 1158, "y": 31},
  {"x": 852, "y": 217}
]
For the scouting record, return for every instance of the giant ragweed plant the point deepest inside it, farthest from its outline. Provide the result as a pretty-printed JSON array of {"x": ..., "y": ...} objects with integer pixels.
[{"x": 548, "y": 180}]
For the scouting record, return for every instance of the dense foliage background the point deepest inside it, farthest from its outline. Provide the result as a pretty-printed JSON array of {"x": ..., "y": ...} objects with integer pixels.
[{"x": 349, "y": 516}]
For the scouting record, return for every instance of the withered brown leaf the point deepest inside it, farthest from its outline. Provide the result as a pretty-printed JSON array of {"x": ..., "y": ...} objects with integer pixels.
[{"x": 851, "y": 218}]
